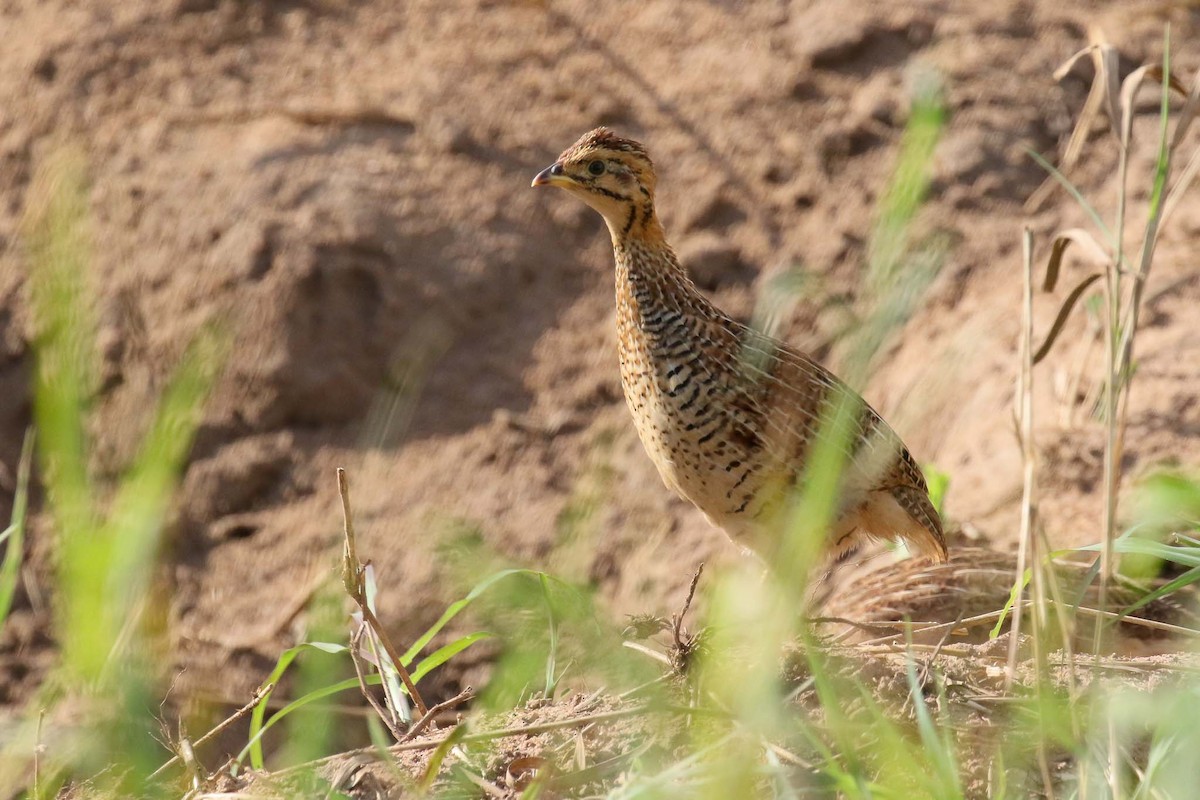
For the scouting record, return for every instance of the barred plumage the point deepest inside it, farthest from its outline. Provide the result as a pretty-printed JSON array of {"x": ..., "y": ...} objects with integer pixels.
[{"x": 727, "y": 414}]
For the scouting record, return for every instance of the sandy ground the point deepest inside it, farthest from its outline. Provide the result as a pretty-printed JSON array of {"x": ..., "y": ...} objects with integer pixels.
[{"x": 350, "y": 182}]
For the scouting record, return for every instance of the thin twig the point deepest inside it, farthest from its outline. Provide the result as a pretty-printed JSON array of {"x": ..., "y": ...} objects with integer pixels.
[
  {"x": 953, "y": 651},
  {"x": 641, "y": 648},
  {"x": 543, "y": 727},
  {"x": 641, "y": 687},
  {"x": 685, "y": 643},
  {"x": 420, "y": 725},
  {"x": 1140, "y": 621},
  {"x": 393, "y": 698},
  {"x": 352, "y": 579},
  {"x": 938, "y": 627},
  {"x": 677, "y": 631},
  {"x": 1027, "y": 542},
  {"x": 262, "y": 692},
  {"x": 394, "y": 657},
  {"x": 936, "y": 651},
  {"x": 687, "y": 604},
  {"x": 499, "y": 733},
  {"x": 361, "y": 671}
]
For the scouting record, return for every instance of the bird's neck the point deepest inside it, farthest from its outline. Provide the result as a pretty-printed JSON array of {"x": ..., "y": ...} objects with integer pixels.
[
  {"x": 635, "y": 223},
  {"x": 640, "y": 244},
  {"x": 654, "y": 291},
  {"x": 649, "y": 268}
]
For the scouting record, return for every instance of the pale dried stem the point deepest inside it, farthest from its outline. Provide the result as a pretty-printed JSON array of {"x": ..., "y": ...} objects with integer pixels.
[
  {"x": 360, "y": 669},
  {"x": 352, "y": 579},
  {"x": 421, "y": 724},
  {"x": 263, "y": 691},
  {"x": 1027, "y": 543}
]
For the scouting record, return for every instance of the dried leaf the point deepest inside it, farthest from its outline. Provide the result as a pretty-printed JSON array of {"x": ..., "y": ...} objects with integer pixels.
[
  {"x": 1133, "y": 82},
  {"x": 1181, "y": 184},
  {"x": 1108, "y": 71},
  {"x": 1104, "y": 91},
  {"x": 1129, "y": 87},
  {"x": 1092, "y": 250},
  {"x": 434, "y": 765},
  {"x": 1187, "y": 114},
  {"x": 523, "y": 771},
  {"x": 1156, "y": 73},
  {"x": 1083, "y": 124},
  {"x": 1063, "y": 313},
  {"x": 1061, "y": 71}
]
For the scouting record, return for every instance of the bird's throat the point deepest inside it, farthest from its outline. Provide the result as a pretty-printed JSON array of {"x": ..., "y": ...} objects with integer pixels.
[{"x": 635, "y": 223}]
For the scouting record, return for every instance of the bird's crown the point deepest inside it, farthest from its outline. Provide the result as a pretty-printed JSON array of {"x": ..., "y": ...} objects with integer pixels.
[{"x": 602, "y": 139}]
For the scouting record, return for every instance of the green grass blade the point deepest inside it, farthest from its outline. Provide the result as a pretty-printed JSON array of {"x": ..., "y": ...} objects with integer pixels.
[
  {"x": 1162, "y": 171},
  {"x": 552, "y": 651},
  {"x": 434, "y": 766},
  {"x": 298, "y": 703},
  {"x": 14, "y": 535},
  {"x": 454, "y": 608},
  {"x": 145, "y": 493},
  {"x": 909, "y": 183},
  {"x": 1018, "y": 586},
  {"x": 444, "y": 654},
  {"x": 935, "y": 745},
  {"x": 939, "y": 485},
  {"x": 254, "y": 747},
  {"x": 380, "y": 736},
  {"x": 1187, "y": 556},
  {"x": 1073, "y": 190},
  {"x": 1169, "y": 499},
  {"x": 1186, "y": 579},
  {"x": 57, "y": 238}
]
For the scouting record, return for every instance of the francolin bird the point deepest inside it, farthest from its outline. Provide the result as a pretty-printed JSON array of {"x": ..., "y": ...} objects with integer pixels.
[{"x": 728, "y": 415}]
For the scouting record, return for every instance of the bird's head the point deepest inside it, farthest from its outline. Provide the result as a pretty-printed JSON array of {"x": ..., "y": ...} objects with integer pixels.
[{"x": 612, "y": 175}]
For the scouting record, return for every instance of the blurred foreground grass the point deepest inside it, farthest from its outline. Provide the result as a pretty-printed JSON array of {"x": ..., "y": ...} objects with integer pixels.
[{"x": 752, "y": 704}]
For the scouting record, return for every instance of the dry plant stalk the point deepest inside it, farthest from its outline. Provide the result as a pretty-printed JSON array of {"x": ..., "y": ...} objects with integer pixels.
[
  {"x": 1027, "y": 552},
  {"x": 353, "y": 579},
  {"x": 185, "y": 747},
  {"x": 1123, "y": 282}
]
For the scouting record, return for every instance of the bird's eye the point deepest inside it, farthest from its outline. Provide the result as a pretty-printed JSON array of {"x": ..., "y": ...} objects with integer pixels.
[{"x": 596, "y": 167}]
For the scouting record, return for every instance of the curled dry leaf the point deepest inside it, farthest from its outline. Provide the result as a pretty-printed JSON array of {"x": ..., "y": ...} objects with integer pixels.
[
  {"x": 1077, "y": 236},
  {"x": 1186, "y": 114},
  {"x": 1129, "y": 87},
  {"x": 1181, "y": 184},
  {"x": 1102, "y": 92},
  {"x": 1063, "y": 313},
  {"x": 523, "y": 771},
  {"x": 1092, "y": 250}
]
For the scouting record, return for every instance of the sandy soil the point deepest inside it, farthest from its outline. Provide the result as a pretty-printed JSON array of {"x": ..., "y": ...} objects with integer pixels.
[{"x": 351, "y": 181}]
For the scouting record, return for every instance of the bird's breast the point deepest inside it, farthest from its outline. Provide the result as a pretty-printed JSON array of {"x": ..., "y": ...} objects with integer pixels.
[{"x": 682, "y": 394}]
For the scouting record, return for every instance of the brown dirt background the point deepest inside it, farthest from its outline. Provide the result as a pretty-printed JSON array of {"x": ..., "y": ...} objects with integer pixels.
[{"x": 351, "y": 182}]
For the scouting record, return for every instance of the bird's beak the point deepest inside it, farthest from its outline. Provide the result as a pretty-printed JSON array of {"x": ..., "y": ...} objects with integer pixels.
[{"x": 551, "y": 176}]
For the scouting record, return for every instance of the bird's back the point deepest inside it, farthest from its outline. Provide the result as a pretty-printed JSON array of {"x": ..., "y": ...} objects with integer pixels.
[{"x": 730, "y": 418}]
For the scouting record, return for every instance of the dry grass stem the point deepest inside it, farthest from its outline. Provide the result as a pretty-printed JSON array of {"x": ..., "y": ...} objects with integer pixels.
[
  {"x": 259, "y": 694},
  {"x": 1027, "y": 552},
  {"x": 361, "y": 670},
  {"x": 424, "y": 722},
  {"x": 352, "y": 579}
]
